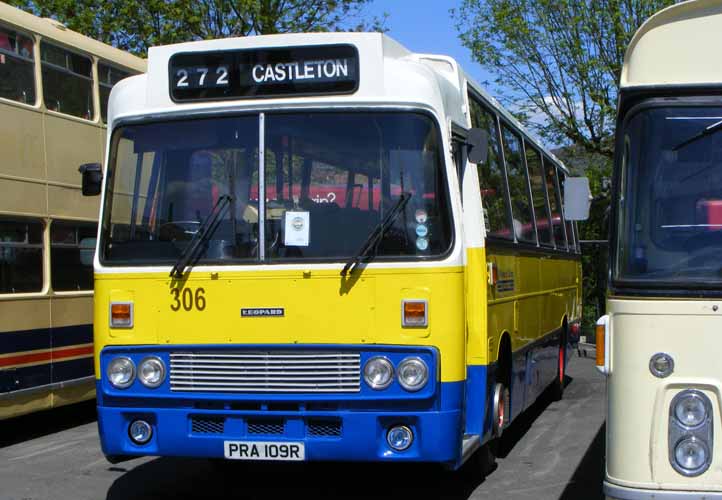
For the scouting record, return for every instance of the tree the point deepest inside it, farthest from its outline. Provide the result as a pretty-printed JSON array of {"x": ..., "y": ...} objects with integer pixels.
[
  {"x": 135, "y": 25},
  {"x": 558, "y": 65},
  {"x": 563, "y": 58}
]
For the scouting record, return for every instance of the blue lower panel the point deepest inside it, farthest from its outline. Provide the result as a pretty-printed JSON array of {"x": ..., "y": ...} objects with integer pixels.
[{"x": 344, "y": 435}]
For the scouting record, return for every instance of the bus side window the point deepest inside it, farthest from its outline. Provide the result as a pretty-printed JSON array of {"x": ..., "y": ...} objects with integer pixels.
[
  {"x": 17, "y": 74},
  {"x": 539, "y": 192},
  {"x": 108, "y": 76},
  {"x": 70, "y": 269},
  {"x": 492, "y": 183},
  {"x": 67, "y": 81},
  {"x": 571, "y": 239},
  {"x": 21, "y": 256},
  {"x": 518, "y": 187},
  {"x": 555, "y": 204}
]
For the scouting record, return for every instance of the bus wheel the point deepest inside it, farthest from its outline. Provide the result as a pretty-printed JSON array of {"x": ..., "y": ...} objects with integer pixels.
[
  {"x": 482, "y": 462},
  {"x": 557, "y": 389}
]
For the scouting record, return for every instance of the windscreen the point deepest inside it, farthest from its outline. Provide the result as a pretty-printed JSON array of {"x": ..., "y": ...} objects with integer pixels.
[
  {"x": 328, "y": 180},
  {"x": 670, "y": 200}
]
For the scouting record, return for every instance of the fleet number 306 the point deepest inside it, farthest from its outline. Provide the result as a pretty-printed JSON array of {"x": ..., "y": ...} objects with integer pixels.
[{"x": 188, "y": 299}]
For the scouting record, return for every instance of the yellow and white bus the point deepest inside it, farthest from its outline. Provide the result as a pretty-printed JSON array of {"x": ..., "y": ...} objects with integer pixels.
[
  {"x": 54, "y": 88},
  {"x": 664, "y": 319},
  {"x": 382, "y": 299}
]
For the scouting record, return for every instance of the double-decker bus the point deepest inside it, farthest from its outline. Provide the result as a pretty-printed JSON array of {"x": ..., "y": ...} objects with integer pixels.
[
  {"x": 383, "y": 299},
  {"x": 657, "y": 344},
  {"x": 54, "y": 89}
]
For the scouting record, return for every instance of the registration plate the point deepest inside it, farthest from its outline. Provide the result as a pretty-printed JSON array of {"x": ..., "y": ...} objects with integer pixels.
[{"x": 264, "y": 450}]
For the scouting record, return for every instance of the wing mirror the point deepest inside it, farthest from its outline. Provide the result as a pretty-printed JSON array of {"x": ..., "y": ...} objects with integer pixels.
[
  {"x": 92, "y": 178},
  {"x": 577, "y": 198},
  {"x": 477, "y": 141}
]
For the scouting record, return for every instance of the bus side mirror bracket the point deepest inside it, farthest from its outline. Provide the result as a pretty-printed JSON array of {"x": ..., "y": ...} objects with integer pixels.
[
  {"x": 92, "y": 178},
  {"x": 477, "y": 141},
  {"x": 577, "y": 198}
]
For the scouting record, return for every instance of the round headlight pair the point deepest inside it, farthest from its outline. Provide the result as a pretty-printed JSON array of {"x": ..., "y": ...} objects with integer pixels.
[
  {"x": 413, "y": 374},
  {"x": 121, "y": 372}
]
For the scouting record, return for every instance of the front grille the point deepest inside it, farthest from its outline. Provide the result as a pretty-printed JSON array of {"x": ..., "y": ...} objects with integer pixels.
[
  {"x": 271, "y": 371},
  {"x": 266, "y": 427},
  {"x": 207, "y": 425},
  {"x": 324, "y": 428}
]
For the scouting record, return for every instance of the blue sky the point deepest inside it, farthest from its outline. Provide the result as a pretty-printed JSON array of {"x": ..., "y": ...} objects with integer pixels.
[{"x": 427, "y": 26}]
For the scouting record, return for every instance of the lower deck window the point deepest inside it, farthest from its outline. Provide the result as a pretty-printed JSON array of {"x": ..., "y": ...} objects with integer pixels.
[{"x": 21, "y": 256}]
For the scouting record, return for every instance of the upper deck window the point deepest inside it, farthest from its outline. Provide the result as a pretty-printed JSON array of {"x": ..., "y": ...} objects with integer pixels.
[
  {"x": 67, "y": 81},
  {"x": 669, "y": 230},
  {"x": 330, "y": 179},
  {"x": 108, "y": 76},
  {"x": 17, "y": 69}
]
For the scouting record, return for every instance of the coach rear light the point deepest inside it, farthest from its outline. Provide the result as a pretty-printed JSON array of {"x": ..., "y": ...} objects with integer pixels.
[
  {"x": 413, "y": 374},
  {"x": 151, "y": 371},
  {"x": 690, "y": 409},
  {"x": 661, "y": 365},
  {"x": 692, "y": 456},
  {"x": 121, "y": 372}
]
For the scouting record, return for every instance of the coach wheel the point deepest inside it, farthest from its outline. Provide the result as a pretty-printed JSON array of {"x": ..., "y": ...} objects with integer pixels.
[{"x": 500, "y": 409}]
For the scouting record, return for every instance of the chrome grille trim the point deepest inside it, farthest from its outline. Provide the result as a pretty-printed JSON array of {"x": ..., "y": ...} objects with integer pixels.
[{"x": 272, "y": 371}]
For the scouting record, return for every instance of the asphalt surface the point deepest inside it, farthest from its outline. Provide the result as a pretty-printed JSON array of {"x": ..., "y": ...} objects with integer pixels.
[{"x": 553, "y": 451}]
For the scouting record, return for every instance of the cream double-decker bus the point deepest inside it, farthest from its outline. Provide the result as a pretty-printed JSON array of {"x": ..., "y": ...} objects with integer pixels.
[
  {"x": 660, "y": 342},
  {"x": 54, "y": 89}
]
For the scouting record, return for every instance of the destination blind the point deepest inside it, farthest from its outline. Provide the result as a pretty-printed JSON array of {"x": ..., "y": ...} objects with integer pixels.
[{"x": 254, "y": 73}]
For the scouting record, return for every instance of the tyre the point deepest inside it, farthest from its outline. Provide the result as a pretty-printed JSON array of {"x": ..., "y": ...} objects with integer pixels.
[{"x": 557, "y": 387}]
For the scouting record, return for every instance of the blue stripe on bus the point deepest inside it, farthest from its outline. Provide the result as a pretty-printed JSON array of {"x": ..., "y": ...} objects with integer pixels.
[
  {"x": 73, "y": 369},
  {"x": 45, "y": 338},
  {"x": 16, "y": 379}
]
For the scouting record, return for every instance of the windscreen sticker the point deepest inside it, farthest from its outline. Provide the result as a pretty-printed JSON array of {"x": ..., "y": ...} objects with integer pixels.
[{"x": 297, "y": 229}]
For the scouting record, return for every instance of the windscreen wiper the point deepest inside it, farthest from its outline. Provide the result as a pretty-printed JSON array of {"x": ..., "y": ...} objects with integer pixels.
[
  {"x": 703, "y": 133},
  {"x": 376, "y": 234},
  {"x": 204, "y": 232}
]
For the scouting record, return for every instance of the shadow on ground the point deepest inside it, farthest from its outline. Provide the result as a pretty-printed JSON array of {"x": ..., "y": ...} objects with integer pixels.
[
  {"x": 19, "y": 429},
  {"x": 590, "y": 471}
]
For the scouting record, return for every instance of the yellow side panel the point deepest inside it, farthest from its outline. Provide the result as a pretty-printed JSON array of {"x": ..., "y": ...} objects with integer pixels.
[
  {"x": 531, "y": 298},
  {"x": 320, "y": 308},
  {"x": 21, "y": 405},
  {"x": 23, "y": 197},
  {"x": 21, "y": 142}
]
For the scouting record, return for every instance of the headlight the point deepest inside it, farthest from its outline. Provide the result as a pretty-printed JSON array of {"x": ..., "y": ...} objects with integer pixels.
[
  {"x": 378, "y": 373},
  {"x": 691, "y": 455},
  {"x": 151, "y": 372},
  {"x": 413, "y": 374},
  {"x": 121, "y": 372},
  {"x": 690, "y": 410}
]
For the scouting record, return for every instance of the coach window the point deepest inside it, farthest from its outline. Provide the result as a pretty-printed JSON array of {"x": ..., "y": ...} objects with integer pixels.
[
  {"x": 571, "y": 237},
  {"x": 67, "y": 81},
  {"x": 538, "y": 188},
  {"x": 21, "y": 256},
  {"x": 550, "y": 173},
  {"x": 108, "y": 76},
  {"x": 521, "y": 205},
  {"x": 71, "y": 256},
  {"x": 17, "y": 75},
  {"x": 491, "y": 176}
]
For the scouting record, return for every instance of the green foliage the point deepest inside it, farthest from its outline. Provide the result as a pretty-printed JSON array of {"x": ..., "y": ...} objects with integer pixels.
[
  {"x": 558, "y": 65},
  {"x": 562, "y": 58},
  {"x": 136, "y": 25}
]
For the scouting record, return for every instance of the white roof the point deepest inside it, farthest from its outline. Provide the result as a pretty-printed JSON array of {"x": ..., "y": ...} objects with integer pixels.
[
  {"x": 678, "y": 46},
  {"x": 390, "y": 75}
]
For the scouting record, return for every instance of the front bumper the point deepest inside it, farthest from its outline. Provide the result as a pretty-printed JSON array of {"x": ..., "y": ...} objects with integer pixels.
[
  {"x": 341, "y": 435},
  {"x": 615, "y": 492}
]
